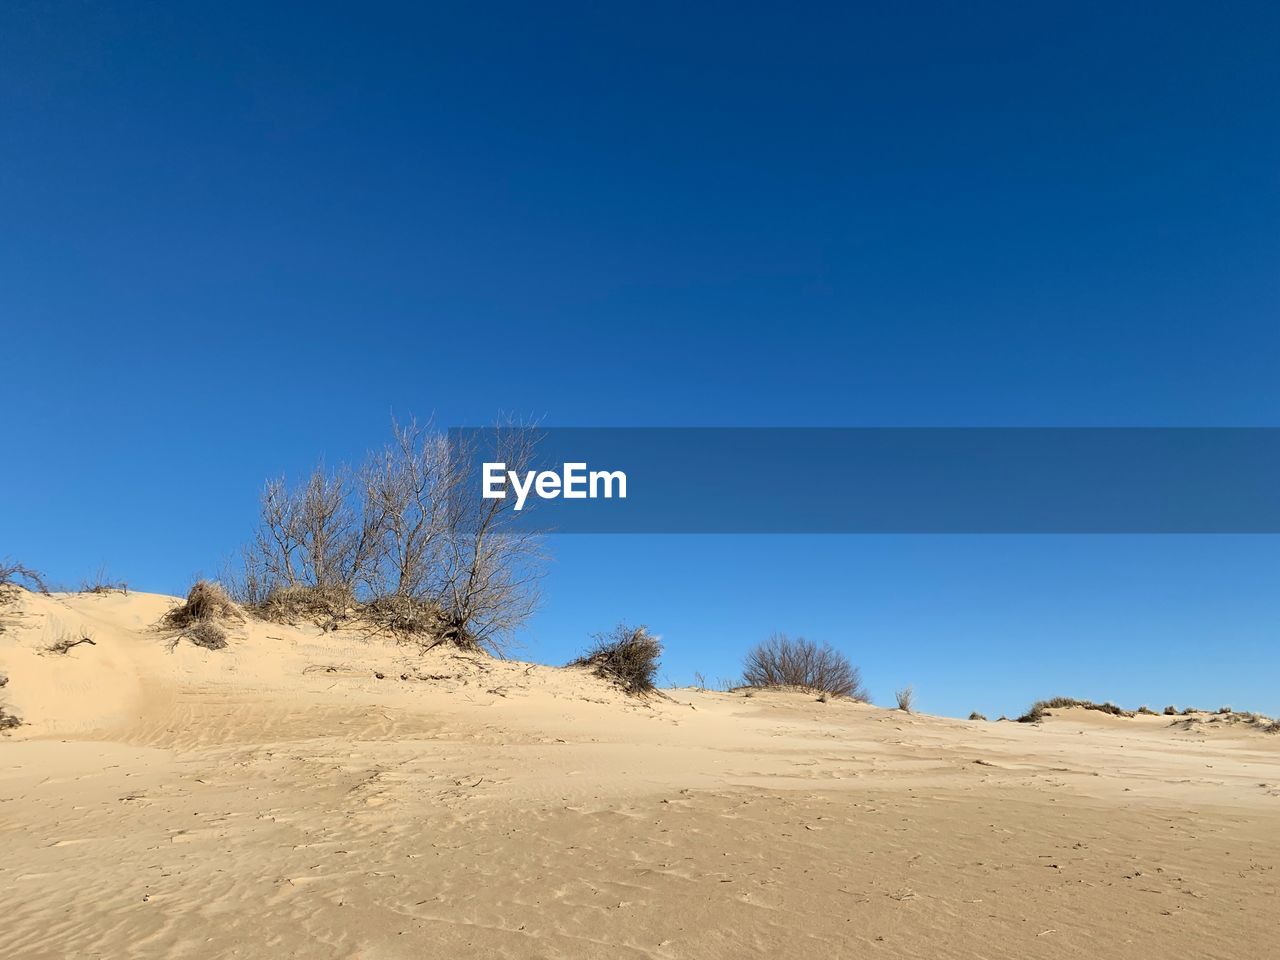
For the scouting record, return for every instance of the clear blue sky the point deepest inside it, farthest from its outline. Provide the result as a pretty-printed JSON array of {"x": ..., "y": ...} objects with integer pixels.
[{"x": 236, "y": 237}]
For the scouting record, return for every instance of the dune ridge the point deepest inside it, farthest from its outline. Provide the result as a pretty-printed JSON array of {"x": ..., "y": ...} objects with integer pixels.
[{"x": 313, "y": 794}]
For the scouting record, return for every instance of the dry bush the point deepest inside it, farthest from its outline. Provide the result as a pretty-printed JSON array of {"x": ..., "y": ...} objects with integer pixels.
[
  {"x": 976, "y": 716},
  {"x": 8, "y": 720},
  {"x": 13, "y": 574},
  {"x": 200, "y": 618},
  {"x": 627, "y": 655},
  {"x": 15, "y": 577},
  {"x": 101, "y": 582},
  {"x": 1171, "y": 711},
  {"x": 905, "y": 698},
  {"x": 1147, "y": 711},
  {"x": 394, "y": 545},
  {"x": 207, "y": 601},
  {"x": 783, "y": 662},
  {"x": 1040, "y": 709}
]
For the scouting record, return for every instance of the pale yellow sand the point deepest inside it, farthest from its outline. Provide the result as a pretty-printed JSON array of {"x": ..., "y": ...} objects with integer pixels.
[{"x": 276, "y": 799}]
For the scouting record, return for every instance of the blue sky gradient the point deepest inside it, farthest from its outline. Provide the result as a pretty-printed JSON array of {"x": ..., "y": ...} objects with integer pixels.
[{"x": 238, "y": 237}]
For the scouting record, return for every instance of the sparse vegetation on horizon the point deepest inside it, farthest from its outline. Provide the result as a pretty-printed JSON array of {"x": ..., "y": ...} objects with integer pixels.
[
  {"x": 101, "y": 583},
  {"x": 1040, "y": 709},
  {"x": 628, "y": 656},
  {"x": 783, "y": 662}
]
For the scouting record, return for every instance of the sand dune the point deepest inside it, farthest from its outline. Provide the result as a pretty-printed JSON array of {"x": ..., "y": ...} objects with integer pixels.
[{"x": 279, "y": 798}]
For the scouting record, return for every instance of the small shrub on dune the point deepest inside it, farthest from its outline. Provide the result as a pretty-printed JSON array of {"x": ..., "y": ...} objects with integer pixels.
[
  {"x": 628, "y": 656},
  {"x": 14, "y": 577},
  {"x": 1171, "y": 711},
  {"x": 8, "y": 721},
  {"x": 206, "y": 602},
  {"x": 906, "y": 699},
  {"x": 1146, "y": 711},
  {"x": 977, "y": 716},
  {"x": 101, "y": 583},
  {"x": 200, "y": 617},
  {"x": 783, "y": 662},
  {"x": 14, "y": 574}
]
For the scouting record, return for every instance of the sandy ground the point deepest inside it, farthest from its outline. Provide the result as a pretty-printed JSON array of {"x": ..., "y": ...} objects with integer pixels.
[{"x": 277, "y": 799}]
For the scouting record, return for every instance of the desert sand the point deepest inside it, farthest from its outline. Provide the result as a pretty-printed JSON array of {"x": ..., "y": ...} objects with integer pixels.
[{"x": 303, "y": 794}]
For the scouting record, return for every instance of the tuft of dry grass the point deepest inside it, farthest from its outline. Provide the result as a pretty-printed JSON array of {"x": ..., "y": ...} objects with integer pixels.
[
  {"x": 324, "y": 606},
  {"x": 628, "y": 656},
  {"x": 206, "y": 601},
  {"x": 977, "y": 716},
  {"x": 404, "y": 617},
  {"x": 906, "y": 698},
  {"x": 207, "y": 634},
  {"x": 200, "y": 618}
]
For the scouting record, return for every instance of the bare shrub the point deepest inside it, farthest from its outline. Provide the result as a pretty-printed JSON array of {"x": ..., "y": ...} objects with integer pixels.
[
  {"x": 13, "y": 574},
  {"x": 396, "y": 546},
  {"x": 492, "y": 566},
  {"x": 905, "y": 698},
  {"x": 1146, "y": 711},
  {"x": 626, "y": 655},
  {"x": 783, "y": 662},
  {"x": 976, "y": 716},
  {"x": 1171, "y": 711},
  {"x": 14, "y": 577},
  {"x": 8, "y": 721},
  {"x": 311, "y": 535}
]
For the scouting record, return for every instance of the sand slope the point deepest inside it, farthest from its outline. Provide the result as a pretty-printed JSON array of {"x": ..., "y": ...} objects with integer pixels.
[{"x": 277, "y": 799}]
